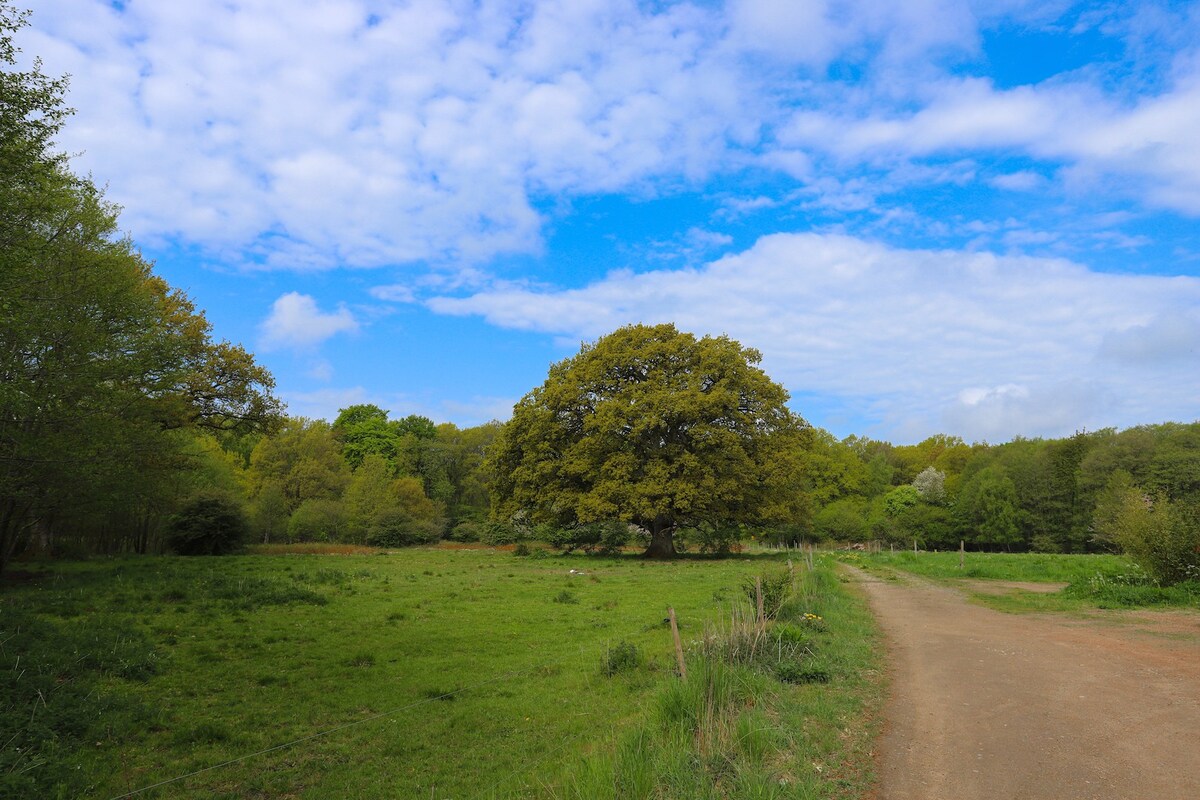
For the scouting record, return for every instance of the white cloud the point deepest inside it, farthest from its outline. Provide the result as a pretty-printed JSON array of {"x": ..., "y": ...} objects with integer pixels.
[
  {"x": 321, "y": 370},
  {"x": 478, "y": 410},
  {"x": 296, "y": 322},
  {"x": 998, "y": 413},
  {"x": 325, "y": 403},
  {"x": 304, "y": 139},
  {"x": 975, "y": 344},
  {"x": 1148, "y": 149},
  {"x": 1022, "y": 181},
  {"x": 422, "y": 136},
  {"x": 1170, "y": 337}
]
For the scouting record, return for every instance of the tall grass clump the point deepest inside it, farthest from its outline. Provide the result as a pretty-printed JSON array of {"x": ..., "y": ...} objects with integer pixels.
[
  {"x": 995, "y": 566},
  {"x": 1134, "y": 588},
  {"x": 771, "y": 708}
]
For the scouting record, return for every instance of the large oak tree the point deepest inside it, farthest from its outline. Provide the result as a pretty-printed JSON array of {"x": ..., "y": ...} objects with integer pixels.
[{"x": 657, "y": 428}]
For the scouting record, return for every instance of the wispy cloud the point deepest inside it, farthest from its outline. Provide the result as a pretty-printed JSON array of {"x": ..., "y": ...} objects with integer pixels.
[{"x": 981, "y": 345}]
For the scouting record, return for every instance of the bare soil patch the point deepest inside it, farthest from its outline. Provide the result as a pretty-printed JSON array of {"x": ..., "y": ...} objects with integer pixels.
[
  {"x": 1005, "y": 587},
  {"x": 1035, "y": 707}
]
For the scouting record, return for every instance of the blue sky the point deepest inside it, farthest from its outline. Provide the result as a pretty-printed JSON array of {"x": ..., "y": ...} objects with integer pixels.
[{"x": 977, "y": 218}]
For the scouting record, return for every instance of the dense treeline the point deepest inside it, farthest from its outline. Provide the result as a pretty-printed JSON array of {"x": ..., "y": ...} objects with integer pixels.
[
  {"x": 111, "y": 386},
  {"x": 1046, "y": 495},
  {"x": 366, "y": 479}
]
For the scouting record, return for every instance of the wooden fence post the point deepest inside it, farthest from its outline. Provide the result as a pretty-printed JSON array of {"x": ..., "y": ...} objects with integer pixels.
[
  {"x": 678, "y": 644},
  {"x": 961, "y": 552}
]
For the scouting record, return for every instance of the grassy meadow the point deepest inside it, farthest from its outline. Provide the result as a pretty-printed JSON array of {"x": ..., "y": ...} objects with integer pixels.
[
  {"x": 438, "y": 673},
  {"x": 1093, "y": 581}
]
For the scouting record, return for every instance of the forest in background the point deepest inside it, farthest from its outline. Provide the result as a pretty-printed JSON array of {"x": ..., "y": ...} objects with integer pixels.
[
  {"x": 126, "y": 427},
  {"x": 367, "y": 479}
]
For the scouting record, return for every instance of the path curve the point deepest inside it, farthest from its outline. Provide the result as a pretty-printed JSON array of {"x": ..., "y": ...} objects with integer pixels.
[{"x": 1034, "y": 707}]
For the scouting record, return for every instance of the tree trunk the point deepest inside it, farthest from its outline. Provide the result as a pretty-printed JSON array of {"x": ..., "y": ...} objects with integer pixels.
[
  {"x": 12, "y": 523},
  {"x": 662, "y": 541}
]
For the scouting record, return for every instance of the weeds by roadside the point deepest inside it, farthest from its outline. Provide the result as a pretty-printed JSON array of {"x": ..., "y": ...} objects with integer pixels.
[
  {"x": 1093, "y": 581},
  {"x": 775, "y": 708}
]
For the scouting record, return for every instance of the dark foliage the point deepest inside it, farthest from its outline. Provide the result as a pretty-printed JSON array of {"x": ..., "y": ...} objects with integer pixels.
[{"x": 208, "y": 526}]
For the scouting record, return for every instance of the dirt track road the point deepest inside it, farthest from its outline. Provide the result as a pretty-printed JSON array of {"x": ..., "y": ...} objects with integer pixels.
[{"x": 1035, "y": 707}]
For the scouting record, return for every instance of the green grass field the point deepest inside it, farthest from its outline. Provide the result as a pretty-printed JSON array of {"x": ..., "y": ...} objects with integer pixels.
[
  {"x": 1094, "y": 581},
  {"x": 422, "y": 673}
]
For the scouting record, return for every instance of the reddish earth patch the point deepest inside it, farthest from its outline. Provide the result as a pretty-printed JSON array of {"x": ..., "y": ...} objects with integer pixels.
[
  {"x": 1035, "y": 707},
  {"x": 1004, "y": 587}
]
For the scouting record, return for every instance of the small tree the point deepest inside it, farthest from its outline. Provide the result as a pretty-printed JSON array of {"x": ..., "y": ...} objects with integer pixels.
[
  {"x": 931, "y": 485},
  {"x": 986, "y": 511},
  {"x": 1160, "y": 536},
  {"x": 208, "y": 526},
  {"x": 318, "y": 519},
  {"x": 843, "y": 520},
  {"x": 900, "y": 499},
  {"x": 408, "y": 517}
]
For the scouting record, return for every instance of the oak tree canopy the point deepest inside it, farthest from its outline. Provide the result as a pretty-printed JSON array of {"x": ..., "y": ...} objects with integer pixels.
[{"x": 657, "y": 428}]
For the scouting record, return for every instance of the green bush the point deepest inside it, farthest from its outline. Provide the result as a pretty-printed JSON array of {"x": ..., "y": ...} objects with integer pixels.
[
  {"x": 775, "y": 590},
  {"x": 208, "y": 526},
  {"x": 318, "y": 521},
  {"x": 397, "y": 528},
  {"x": 497, "y": 533},
  {"x": 1161, "y": 536},
  {"x": 713, "y": 540},
  {"x": 606, "y": 537},
  {"x": 624, "y": 657},
  {"x": 843, "y": 520},
  {"x": 469, "y": 530}
]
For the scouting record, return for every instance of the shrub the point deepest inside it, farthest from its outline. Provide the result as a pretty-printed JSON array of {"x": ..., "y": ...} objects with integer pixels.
[
  {"x": 318, "y": 520},
  {"x": 1162, "y": 537},
  {"x": 1044, "y": 543},
  {"x": 843, "y": 520},
  {"x": 714, "y": 540},
  {"x": 606, "y": 537},
  {"x": 397, "y": 528},
  {"x": 468, "y": 530},
  {"x": 208, "y": 526},
  {"x": 624, "y": 657},
  {"x": 775, "y": 590},
  {"x": 497, "y": 533}
]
